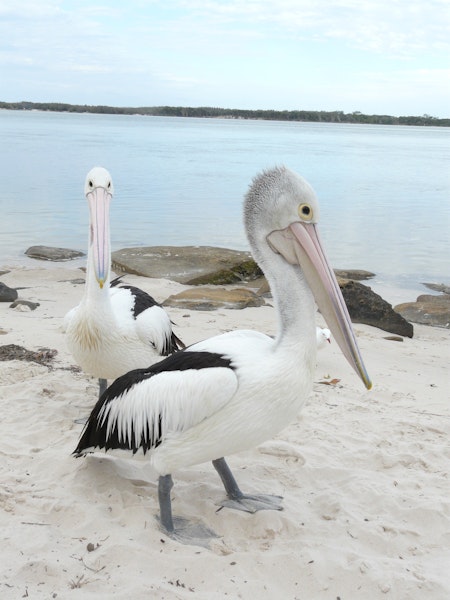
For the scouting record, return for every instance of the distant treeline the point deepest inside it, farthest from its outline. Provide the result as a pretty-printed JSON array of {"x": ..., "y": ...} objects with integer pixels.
[{"x": 335, "y": 116}]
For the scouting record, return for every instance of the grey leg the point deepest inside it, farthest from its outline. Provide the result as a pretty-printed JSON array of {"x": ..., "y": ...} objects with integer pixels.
[
  {"x": 165, "y": 484},
  {"x": 176, "y": 527},
  {"x": 238, "y": 500},
  {"x": 228, "y": 480}
]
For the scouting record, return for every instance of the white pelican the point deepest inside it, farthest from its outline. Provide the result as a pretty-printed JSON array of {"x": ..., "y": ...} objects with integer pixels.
[
  {"x": 115, "y": 328},
  {"x": 322, "y": 336},
  {"x": 233, "y": 391}
]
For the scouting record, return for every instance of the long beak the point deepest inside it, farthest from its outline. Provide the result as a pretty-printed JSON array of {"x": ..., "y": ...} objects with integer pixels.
[
  {"x": 300, "y": 244},
  {"x": 99, "y": 200}
]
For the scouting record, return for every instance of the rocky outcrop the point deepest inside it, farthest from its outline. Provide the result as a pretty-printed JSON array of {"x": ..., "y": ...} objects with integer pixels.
[
  {"x": 427, "y": 310},
  {"x": 365, "y": 306},
  {"x": 191, "y": 265},
  {"x": 355, "y": 274},
  {"x": 199, "y": 265},
  {"x": 438, "y": 287},
  {"x": 207, "y": 298},
  {"x": 207, "y": 265},
  {"x": 51, "y": 253}
]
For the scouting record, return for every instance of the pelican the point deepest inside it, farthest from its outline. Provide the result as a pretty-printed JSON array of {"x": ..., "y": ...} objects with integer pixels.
[
  {"x": 231, "y": 392},
  {"x": 322, "y": 336},
  {"x": 116, "y": 327}
]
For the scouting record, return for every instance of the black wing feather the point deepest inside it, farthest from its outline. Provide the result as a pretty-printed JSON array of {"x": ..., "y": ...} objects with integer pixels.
[
  {"x": 94, "y": 434},
  {"x": 142, "y": 301}
]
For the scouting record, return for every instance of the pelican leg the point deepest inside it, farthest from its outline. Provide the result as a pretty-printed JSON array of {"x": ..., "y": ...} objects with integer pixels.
[
  {"x": 238, "y": 500},
  {"x": 176, "y": 527},
  {"x": 165, "y": 484},
  {"x": 102, "y": 385}
]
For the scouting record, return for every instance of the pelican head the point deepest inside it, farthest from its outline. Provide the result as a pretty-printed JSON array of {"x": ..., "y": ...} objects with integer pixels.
[
  {"x": 287, "y": 210},
  {"x": 98, "y": 189}
]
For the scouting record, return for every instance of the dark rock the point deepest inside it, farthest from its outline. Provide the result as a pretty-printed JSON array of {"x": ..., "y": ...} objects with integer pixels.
[
  {"x": 355, "y": 274},
  {"x": 427, "y": 310},
  {"x": 54, "y": 254},
  {"x": 365, "y": 306},
  {"x": 7, "y": 294},
  {"x": 393, "y": 338},
  {"x": 191, "y": 265},
  {"x": 31, "y": 305},
  {"x": 204, "y": 298}
]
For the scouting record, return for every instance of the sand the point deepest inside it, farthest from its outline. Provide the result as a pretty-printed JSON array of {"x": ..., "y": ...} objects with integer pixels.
[{"x": 364, "y": 476}]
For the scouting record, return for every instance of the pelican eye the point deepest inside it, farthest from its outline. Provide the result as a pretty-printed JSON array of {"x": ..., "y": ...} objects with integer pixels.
[
  {"x": 305, "y": 212},
  {"x": 91, "y": 184},
  {"x": 109, "y": 185}
]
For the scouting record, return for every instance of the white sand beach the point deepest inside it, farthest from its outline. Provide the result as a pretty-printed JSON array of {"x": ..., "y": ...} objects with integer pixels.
[{"x": 364, "y": 476}]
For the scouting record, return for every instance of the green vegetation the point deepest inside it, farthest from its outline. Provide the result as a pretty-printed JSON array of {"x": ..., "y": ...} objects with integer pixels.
[{"x": 335, "y": 116}]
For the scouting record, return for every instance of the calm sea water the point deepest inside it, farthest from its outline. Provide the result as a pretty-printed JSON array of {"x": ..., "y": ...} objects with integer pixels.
[{"x": 384, "y": 190}]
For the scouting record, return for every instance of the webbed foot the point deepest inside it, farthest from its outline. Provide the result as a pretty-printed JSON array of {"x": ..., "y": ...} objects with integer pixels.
[
  {"x": 178, "y": 528},
  {"x": 239, "y": 501},
  {"x": 253, "y": 503},
  {"x": 188, "y": 532}
]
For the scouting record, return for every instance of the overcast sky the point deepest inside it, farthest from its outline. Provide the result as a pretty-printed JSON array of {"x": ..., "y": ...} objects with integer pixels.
[{"x": 374, "y": 56}]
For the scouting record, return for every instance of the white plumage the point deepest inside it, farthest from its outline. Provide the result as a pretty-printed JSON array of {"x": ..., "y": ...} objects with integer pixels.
[
  {"x": 116, "y": 327},
  {"x": 323, "y": 336},
  {"x": 233, "y": 391}
]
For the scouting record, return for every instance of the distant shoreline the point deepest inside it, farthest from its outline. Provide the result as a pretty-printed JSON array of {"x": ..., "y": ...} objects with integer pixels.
[{"x": 308, "y": 116}]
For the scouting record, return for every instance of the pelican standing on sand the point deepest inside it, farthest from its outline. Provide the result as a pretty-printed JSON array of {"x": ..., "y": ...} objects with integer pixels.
[
  {"x": 115, "y": 328},
  {"x": 234, "y": 391}
]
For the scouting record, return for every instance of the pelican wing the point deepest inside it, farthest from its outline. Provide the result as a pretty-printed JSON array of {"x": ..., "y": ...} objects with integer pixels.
[
  {"x": 151, "y": 322},
  {"x": 140, "y": 409}
]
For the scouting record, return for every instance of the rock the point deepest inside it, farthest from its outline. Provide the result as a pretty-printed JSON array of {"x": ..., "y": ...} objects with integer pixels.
[
  {"x": 199, "y": 265},
  {"x": 27, "y": 303},
  {"x": 438, "y": 287},
  {"x": 7, "y": 294},
  {"x": 427, "y": 310},
  {"x": 54, "y": 254},
  {"x": 264, "y": 288},
  {"x": 78, "y": 281},
  {"x": 205, "y": 298},
  {"x": 365, "y": 306},
  {"x": 191, "y": 265},
  {"x": 355, "y": 274}
]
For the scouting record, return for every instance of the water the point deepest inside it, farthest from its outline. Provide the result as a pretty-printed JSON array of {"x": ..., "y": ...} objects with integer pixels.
[{"x": 384, "y": 190}]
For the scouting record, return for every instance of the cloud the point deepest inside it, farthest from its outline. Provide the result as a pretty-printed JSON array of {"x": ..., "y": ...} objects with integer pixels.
[
  {"x": 401, "y": 26},
  {"x": 255, "y": 54}
]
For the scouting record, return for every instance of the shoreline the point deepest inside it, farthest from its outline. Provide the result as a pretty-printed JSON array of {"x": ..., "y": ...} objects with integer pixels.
[
  {"x": 406, "y": 289},
  {"x": 207, "y": 112}
]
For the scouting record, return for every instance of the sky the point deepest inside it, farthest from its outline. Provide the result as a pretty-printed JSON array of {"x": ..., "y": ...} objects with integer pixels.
[{"x": 373, "y": 56}]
